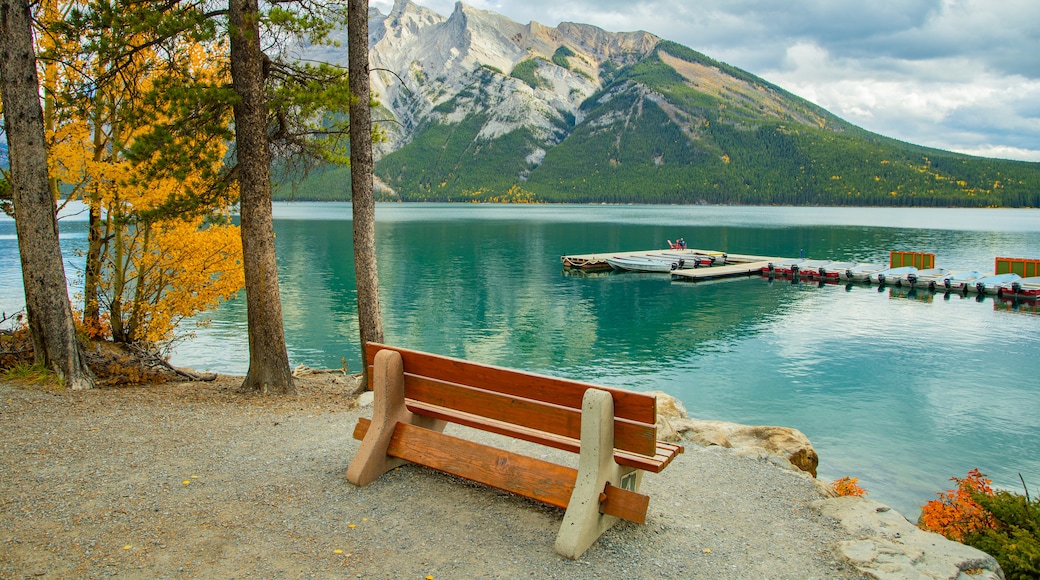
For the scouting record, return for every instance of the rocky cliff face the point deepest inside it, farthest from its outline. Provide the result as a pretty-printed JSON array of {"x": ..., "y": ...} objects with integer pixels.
[{"x": 421, "y": 60}]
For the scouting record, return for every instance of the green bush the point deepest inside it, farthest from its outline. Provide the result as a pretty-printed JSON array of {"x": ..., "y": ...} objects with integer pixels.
[{"x": 1015, "y": 540}]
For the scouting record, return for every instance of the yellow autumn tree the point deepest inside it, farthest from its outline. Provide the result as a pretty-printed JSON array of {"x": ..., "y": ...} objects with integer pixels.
[{"x": 161, "y": 246}]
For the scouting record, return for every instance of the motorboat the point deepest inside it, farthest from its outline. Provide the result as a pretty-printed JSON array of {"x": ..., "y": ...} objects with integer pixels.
[
  {"x": 928, "y": 278},
  {"x": 961, "y": 281},
  {"x": 643, "y": 264},
  {"x": 809, "y": 268},
  {"x": 781, "y": 267},
  {"x": 992, "y": 284},
  {"x": 863, "y": 272},
  {"x": 834, "y": 270},
  {"x": 1023, "y": 288},
  {"x": 691, "y": 259},
  {"x": 892, "y": 276}
]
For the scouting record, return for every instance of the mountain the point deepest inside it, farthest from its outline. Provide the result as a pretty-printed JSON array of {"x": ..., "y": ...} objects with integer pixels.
[{"x": 477, "y": 107}]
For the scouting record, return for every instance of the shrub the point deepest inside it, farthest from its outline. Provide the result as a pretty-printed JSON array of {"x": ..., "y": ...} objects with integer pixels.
[
  {"x": 848, "y": 486},
  {"x": 1003, "y": 524}
]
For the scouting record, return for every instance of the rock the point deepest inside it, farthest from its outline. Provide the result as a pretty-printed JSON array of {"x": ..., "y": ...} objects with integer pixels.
[
  {"x": 673, "y": 424},
  {"x": 888, "y": 546}
]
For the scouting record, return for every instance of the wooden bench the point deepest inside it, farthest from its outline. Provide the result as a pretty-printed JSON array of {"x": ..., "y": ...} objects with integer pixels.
[{"x": 612, "y": 430}]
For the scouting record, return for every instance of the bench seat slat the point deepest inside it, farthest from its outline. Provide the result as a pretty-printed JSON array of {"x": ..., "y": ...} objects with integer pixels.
[
  {"x": 664, "y": 454},
  {"x": 527, "y": 476},
  {"x": 526, "y": 414},
  {"x": 629, "y": 405}
]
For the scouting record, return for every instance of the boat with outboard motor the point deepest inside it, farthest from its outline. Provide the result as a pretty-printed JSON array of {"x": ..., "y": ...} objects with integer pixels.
[
  {"x": 961, "y": 281},
  {"x": 863, "y": 272},
  {"x": 892, "y": 276},
  {"x": 993, "y": 284},
  {"x": 643, "y": 264},
  {"x": 1023, "y": 288},
  {"x": 930, "y": 278}
]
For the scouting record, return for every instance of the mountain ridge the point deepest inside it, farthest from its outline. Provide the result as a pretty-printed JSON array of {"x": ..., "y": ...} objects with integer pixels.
[{"x": 483, "y": 108}]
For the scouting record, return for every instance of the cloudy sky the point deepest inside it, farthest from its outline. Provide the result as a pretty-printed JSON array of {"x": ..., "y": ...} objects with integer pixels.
[{"x": 962, "y": 75}]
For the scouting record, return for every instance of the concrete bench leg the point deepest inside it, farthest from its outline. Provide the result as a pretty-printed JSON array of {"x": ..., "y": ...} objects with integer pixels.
[
  {"x": 583, "y": 523},
  {"x": 388, "y": 410}
]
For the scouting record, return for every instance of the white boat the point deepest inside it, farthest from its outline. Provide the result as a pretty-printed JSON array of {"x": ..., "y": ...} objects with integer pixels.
[
  {"x": 928, "y": 278},
  {"x": 892, "y": 276},
  {"x": 689, "y": 259},
  {"x": 781, "y": 267},
  {"x": 1023, "y": 288},
  {"x": 835, "y": 270},
  {"x": 642, "y": 264},
  {"x": 992, "y": 284},
  {"x": 810, "y": 268},
  {"x": 961, "y": 281},
  {"x": 862, "y": 272}
]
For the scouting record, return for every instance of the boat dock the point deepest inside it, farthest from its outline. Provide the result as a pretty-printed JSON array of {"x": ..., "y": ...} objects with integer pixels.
[
  {"x": 735, "y": 264},
  {"x": 739, "y": 269}
]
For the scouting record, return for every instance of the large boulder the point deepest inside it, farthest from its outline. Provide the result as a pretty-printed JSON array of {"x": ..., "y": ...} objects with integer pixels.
[
  {"x": 674, "y": 424},
  {"x": 888, "y": 546}
]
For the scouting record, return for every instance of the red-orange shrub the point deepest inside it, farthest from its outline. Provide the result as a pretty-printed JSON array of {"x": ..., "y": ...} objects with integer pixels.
[
  {"x": 848, "y": 486},
  {"x": 955, "y": 514}
]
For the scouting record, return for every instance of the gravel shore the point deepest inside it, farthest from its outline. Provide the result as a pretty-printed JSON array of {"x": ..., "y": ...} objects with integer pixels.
[{"x": 195, "y": 480}]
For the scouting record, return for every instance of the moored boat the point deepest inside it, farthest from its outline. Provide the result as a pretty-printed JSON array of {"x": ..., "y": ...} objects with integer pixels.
[
  {"x": 781, "y": 267},
  {"x": 961, "y": 281},
  {"x": 928, "y": 278},
  {"x": 862, "y": 272},
  {"x": 643, "y": 264},
  {"x": 1023, "y": 288},
  {"x": 892, "y": 276},
  {"x": 809, "y": 268},
  {"x": 835, "y": 270},
  {"x": 993, "y": 284}
]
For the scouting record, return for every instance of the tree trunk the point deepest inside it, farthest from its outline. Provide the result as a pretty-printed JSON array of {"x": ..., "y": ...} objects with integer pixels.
[
  {"x": 268, "y": 361},
  {"x": 43, "y": 272},
  {"x": 370, "y": 320}
]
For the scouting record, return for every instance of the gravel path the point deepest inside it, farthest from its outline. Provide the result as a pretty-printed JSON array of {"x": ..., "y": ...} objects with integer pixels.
[{"x": 197, "y": 481}]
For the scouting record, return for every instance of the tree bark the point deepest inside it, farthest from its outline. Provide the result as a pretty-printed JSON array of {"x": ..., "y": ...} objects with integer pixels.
[
  {"x": 268, "y": 361},
  {"x": 370, "y": 320},
  {"x": 43, "y": 272}
]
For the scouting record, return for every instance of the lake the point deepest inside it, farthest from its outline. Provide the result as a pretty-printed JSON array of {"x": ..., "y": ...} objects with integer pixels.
[{"x": 901, "y": 390}]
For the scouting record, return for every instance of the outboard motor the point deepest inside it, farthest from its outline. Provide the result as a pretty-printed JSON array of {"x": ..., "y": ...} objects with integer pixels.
[
  {"x": 881, "y": 279},
  {"x": 771, "y": 267},
  {"x": 911, "y": 278},
  {"x": 848, "y": 274},
  {"x": 823, "y": 272},
  {"x": 794, "y": 270},
  {"x": 980, "y": 287},
  {"x": 682, "y": 263},
  {"x": 947, "y": 283},
  {"x": 1016, "y": 287}
]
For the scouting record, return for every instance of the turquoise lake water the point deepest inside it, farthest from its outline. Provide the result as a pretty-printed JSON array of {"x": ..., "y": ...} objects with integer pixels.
[{"x": 902, "y": 391}]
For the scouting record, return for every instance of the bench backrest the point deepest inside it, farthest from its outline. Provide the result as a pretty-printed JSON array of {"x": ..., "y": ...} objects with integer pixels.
[{"x": 528, "y": 406}]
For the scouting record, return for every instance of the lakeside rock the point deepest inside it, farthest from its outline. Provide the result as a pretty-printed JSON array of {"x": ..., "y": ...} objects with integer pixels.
[
  {"x": 889, "y": 546},
  {"x": 675, "y": 424}
]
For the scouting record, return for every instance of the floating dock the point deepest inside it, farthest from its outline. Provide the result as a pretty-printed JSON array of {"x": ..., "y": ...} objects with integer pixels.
[
  {"x": 735, "y": 264},
  {"x": 712, "y": 272}
]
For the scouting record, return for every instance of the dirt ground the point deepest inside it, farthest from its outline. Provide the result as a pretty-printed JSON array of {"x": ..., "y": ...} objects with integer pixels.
[{"x": 197, "y": 480}]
